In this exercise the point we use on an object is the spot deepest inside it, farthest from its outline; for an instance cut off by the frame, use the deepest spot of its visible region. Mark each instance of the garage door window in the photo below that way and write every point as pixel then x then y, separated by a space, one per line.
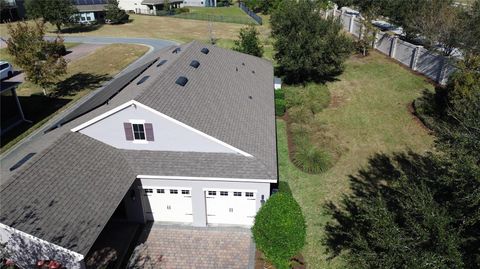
pixel 212 193
pixel 224 193
pixel 249 194
pixel 185 192
pixel 148 190
pixel 173 191
pixel 160 191
pixel 237 193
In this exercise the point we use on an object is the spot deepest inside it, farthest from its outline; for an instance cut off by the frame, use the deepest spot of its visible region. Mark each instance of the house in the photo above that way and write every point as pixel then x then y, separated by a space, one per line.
pixel 200 3
pixel 186 138
pixel 12 10
pixel 90 11
pixel 147 6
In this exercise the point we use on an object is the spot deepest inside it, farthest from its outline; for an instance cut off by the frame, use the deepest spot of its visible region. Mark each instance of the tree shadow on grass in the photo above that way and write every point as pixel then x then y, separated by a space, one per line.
pixel 74 29
pixel 79 82
pixel 303 77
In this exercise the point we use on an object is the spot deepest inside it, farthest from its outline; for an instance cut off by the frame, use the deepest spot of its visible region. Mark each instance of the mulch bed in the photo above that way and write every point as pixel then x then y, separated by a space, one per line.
pixel 419 122
pixel 261 263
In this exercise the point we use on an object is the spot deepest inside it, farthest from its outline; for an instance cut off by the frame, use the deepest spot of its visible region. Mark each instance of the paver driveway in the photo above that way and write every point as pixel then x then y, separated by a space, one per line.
pixel 189 247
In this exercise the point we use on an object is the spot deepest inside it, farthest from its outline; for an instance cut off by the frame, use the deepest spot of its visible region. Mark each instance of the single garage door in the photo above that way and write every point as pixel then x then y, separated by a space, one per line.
pixel 168 204
pixel 230 206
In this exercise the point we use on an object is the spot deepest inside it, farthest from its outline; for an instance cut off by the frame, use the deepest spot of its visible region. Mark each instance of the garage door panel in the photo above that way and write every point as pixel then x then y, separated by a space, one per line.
pixel 172 204
pixel 230 207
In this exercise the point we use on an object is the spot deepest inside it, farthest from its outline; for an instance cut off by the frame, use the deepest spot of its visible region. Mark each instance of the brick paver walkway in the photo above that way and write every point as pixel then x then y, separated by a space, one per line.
pixel 189 247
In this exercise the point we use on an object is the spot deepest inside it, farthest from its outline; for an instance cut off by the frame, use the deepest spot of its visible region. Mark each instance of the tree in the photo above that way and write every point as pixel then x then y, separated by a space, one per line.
pixel 279 230
pixel 471 31
pixel 114 13
pixel 409 211
pixel 56 12
pixel 40 59
pixel 308 47
pixel 248 42
pixel 439 23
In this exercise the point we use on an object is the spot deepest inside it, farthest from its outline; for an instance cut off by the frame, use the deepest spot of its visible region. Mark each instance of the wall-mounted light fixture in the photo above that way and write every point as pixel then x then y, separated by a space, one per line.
pixel 132 195
pixel 262 200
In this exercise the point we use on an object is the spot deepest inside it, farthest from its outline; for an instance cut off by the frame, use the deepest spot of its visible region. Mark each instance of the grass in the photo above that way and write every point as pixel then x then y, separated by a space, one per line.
pixel 368 114
pixel 84 75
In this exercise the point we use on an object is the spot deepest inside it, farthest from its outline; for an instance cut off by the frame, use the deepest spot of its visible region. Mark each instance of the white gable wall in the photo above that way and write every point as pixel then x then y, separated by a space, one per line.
pixel 168 134
pixel 131 5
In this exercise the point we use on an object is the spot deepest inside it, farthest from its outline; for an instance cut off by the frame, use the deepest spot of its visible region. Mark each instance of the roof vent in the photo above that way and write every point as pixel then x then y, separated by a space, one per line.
pixel 243 64
pixel 162 62
pixel 253 71
pixel 181 81
pixel 205 51
pixel 177 50
pixel 195 64
pixel 143 80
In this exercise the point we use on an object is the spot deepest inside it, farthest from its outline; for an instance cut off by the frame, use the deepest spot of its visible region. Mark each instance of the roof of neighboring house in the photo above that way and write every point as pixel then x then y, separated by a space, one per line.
pixel 67 194
pixel 90 8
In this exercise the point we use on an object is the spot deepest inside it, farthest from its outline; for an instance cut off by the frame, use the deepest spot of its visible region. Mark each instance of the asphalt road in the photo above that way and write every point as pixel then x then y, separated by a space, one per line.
pixel 32 142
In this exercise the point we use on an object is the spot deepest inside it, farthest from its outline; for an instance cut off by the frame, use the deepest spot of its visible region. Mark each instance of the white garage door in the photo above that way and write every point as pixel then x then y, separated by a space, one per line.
pixel 168 204
pixel 230 206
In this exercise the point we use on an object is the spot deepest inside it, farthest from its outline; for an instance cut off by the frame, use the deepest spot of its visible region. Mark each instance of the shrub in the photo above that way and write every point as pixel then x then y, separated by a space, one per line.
pixel 279 230
pixel 182 10
pixel 311 159
pixel 279 94
pixel 55 48
pixel 279 107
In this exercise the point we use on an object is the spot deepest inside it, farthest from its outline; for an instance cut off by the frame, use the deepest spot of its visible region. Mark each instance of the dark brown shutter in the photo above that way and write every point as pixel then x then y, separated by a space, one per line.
pixel 149 132
pixel 128 131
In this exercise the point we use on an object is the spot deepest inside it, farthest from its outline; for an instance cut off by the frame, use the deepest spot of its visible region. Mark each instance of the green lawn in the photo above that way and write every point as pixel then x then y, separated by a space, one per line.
pixel 234 11
pixel 83 76
pixel 368 114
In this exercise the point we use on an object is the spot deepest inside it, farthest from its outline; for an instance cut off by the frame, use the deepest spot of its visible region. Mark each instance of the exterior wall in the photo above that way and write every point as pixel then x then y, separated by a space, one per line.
pixel 26 250
pixel 429 64
pixel 133 203
pixel 383 43
pixel 86 17
pixel 169 136
pixel 198 195
pixel 195 3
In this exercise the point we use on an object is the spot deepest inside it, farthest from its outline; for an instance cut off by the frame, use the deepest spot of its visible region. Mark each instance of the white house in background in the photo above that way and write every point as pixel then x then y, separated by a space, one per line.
pixel 188 137
pixel 131 5
pixel 200 3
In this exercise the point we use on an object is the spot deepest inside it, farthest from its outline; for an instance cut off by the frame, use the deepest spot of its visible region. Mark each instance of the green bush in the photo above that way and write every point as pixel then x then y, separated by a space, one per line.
pixel 279 94
pixel 279 107
pixel 279 230
pixel 300 114
pixel 182 10
pixel 311 159
pixel 55 48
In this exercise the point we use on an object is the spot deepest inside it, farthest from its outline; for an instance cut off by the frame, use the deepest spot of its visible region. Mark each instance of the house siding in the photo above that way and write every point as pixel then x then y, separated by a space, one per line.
pixel 198 197
pixel 169 136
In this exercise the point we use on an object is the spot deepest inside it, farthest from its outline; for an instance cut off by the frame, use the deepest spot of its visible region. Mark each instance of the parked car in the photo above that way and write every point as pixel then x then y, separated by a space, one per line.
pixel 6 70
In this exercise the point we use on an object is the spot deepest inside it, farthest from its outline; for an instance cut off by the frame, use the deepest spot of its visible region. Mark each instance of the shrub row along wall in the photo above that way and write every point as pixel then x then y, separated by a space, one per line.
pixel 417 58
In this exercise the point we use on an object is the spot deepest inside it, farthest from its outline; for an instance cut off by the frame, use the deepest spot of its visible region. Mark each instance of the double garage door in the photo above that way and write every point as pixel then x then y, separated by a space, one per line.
pixel 174 204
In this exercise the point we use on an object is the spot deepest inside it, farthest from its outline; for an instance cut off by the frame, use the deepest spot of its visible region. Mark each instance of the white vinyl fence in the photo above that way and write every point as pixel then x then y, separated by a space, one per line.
pixel 417 58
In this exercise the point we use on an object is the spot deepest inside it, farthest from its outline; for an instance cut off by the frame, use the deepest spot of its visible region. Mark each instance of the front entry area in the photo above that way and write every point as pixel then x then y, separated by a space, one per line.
pixel 172 204
pixel 230 206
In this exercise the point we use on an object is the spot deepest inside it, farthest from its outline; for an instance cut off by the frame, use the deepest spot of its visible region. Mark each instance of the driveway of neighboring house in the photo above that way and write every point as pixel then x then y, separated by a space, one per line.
pixel 76 52
pixel 189 247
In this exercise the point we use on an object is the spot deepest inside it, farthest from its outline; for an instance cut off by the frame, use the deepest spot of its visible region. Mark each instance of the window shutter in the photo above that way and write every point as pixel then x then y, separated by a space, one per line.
pixel 149 132
pixel 128 131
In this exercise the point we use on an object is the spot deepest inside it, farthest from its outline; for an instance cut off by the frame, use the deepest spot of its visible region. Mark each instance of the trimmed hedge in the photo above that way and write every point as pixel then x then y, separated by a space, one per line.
pixel 279 230
pixel 280 107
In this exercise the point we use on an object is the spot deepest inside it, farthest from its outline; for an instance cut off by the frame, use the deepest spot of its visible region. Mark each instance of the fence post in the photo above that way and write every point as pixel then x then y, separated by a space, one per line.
pixel 415 56
pixel 350 26
pixel 374 43
pixel 393 47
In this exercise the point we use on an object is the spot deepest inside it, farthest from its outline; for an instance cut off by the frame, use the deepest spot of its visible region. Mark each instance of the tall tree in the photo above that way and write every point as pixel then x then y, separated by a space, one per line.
pixel 410 211
pixel 471 31
pixel 248 42
pixel 56 12
pixel 308 47
pixel 38 57
pixel 114 13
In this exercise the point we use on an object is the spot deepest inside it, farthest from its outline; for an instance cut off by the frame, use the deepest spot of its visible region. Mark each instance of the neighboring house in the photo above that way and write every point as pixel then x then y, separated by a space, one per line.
pixel 200 3
pixel 189 137
pixel 90 11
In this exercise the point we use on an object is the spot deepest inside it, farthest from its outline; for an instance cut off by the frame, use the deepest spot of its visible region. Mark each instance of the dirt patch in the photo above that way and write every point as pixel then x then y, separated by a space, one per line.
pixel 336 101
pixel 420 123
pixel 298 262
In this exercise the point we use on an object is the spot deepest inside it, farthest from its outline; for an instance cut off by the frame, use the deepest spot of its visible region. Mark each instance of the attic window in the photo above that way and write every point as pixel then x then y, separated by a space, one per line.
pixel 162 62
pixel 177 50
pixel 195 64
pixel 181 81
pixel 143 80
pixel 205 51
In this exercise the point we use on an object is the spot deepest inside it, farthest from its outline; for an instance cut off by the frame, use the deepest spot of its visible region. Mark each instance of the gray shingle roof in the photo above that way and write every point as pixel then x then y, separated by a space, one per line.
pixel 67 194
pixel 230 96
